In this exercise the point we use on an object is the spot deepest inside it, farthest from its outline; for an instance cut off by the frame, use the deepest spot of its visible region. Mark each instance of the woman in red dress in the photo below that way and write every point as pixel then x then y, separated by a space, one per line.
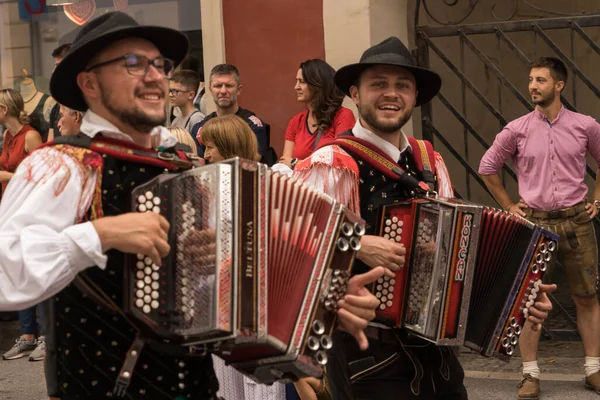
pixel 19 137
pixel 324 117
pixel 19 140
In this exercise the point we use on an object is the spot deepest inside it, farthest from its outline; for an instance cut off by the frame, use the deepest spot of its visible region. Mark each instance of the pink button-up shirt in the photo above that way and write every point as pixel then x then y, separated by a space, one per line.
pixel 549 158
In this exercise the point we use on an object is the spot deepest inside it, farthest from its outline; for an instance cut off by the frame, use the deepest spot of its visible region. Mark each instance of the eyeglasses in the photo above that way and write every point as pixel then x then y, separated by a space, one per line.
pixel 175 92
pixel 138 65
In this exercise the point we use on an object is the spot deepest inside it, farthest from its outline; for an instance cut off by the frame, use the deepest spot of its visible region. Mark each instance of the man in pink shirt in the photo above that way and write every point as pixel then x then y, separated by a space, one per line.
pixel 548 148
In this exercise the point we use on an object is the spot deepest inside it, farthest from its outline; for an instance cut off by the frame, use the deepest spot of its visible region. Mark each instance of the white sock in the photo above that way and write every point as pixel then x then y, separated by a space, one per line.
pixel 592 365
pixel 532 369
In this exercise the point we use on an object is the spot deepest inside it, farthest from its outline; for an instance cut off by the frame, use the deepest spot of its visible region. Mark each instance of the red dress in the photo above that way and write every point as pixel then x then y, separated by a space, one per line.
pixel 14 151
pixel 297 131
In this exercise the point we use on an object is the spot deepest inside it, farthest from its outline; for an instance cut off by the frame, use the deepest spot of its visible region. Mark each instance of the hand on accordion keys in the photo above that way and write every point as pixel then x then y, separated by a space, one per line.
pixel 540 309
pixel 358 306
pixel 143 233
pixel 376 251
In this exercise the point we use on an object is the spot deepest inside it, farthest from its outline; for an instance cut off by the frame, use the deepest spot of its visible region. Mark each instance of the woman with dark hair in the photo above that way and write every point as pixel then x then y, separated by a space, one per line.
pixel 324 116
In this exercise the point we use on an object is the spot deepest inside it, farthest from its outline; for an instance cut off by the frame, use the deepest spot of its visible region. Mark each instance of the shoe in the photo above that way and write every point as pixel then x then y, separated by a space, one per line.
pixel 592 382
pixel 40 351
pixel 529 388
pixel 22 348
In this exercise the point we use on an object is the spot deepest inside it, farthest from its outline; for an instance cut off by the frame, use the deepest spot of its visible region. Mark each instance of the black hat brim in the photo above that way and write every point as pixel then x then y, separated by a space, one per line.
pixel 172 44
pixel 428 82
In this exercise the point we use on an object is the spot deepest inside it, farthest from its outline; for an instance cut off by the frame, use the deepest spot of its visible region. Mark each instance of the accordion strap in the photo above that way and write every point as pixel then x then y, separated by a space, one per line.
pixel 178 157
pixel 131 358
pixel 380 161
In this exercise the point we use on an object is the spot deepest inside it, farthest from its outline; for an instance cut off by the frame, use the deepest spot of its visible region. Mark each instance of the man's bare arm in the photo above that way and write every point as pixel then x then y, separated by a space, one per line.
pixel 494 185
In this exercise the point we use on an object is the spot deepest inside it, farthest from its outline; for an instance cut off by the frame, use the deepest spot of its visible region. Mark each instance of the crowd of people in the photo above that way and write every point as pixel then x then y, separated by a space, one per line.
pixel 114 81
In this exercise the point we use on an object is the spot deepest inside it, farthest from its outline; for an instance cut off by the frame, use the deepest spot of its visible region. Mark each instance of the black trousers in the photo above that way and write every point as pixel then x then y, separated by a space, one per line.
pixel 411 368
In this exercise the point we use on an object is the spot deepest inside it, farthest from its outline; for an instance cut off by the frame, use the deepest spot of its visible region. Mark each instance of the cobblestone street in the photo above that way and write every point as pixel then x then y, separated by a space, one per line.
pixel 561 364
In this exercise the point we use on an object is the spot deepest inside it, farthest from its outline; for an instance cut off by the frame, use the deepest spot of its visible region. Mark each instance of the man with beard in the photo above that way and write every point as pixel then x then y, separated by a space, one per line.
pixel 225 87
pixel 548 149
pixel 386 85
pixel 66 216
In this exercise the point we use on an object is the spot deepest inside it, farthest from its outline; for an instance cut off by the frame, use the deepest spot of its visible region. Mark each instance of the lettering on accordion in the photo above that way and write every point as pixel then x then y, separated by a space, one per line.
pixel 465 236
pixel 249 249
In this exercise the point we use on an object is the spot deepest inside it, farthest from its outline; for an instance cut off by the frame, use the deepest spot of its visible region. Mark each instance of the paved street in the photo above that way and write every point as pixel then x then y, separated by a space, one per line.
pixel 487 378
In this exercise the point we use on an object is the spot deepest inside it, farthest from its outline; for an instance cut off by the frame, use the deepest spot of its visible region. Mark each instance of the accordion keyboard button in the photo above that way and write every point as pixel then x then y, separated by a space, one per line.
pixel 147 289
pixel 390 296
pixel 394 219
pixel 154 285
pixel 147 280
pixel 379 288
pixel 139 303
pixel 391 288
pixel 387 229
pixel 383 299
pixel 139 293
pixel 141 199
pixel 148 261
pixel 154 304
pixel 140 256
pixel 139 275
pixel 400 224
pixel 392 281
pixel 389 303
pixel 155 276
pixel 156 209
pixel 140 284
pixel 147 299
pixel 378 295
pixel 156 201
pixel 142 208
pixel 155 267
pixel 149 195
pixel 382 306
pixel 146 309
pixel 392 234
pixel 154 295
pixel 386 236
pixel 149 205
pixel 388 222
pixel 147 271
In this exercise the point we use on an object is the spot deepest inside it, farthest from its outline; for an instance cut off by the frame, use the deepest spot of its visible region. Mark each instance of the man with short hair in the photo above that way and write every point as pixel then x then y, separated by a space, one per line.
pixel 66 215
pixel 225 87
pixel 182 92
pixel 548 149
pixel 385 86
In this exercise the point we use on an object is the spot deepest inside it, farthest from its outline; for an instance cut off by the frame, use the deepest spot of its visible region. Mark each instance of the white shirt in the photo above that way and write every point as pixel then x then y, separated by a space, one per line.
pixel 363 133
pixel 42 245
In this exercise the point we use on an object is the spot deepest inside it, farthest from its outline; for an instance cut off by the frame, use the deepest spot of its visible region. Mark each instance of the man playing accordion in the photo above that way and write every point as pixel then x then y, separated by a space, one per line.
pixel 385 86
pixel 66 215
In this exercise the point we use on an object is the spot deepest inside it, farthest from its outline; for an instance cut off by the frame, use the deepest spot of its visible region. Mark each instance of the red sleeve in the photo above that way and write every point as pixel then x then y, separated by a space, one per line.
pixel 344 120
pixel 292 128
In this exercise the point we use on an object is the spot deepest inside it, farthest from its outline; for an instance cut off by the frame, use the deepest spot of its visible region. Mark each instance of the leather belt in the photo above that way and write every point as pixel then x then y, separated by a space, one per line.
pixel 555 214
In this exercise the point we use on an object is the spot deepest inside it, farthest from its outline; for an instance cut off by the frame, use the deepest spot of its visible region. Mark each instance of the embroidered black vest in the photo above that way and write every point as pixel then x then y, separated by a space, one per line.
pixel 375 191
pixel 91 342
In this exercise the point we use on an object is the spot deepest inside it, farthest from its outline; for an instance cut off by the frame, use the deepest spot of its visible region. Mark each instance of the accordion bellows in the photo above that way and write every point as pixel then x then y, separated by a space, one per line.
pixel 471 273
pixel 257 264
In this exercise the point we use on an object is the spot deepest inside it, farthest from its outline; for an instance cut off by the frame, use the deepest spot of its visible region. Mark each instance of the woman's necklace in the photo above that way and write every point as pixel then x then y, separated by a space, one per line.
pixel 32 97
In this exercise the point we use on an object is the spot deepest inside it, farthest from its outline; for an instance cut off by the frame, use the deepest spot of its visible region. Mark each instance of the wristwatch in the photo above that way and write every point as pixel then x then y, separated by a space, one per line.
pixel 596 204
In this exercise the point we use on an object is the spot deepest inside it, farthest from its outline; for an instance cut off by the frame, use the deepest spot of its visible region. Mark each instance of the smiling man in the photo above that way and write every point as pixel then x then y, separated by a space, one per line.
pixel 386 85
pixel 225 87
pixel 548 149
pixel 66 215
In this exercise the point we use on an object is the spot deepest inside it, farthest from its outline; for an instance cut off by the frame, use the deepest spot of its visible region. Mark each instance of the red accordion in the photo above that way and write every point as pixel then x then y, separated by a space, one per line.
pixel 470 276
pixel 258 262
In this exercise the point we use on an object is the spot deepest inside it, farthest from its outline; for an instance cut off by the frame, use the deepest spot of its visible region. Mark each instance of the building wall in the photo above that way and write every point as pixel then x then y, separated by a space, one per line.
pixel 267 40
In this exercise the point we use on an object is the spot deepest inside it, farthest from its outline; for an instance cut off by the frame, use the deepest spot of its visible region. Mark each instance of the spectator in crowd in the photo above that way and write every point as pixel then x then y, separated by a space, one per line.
pixel 19 140
pixel 227 137
pixel 548 150
pixel 59 53
pixel 70 121
pixel 225 87
pixel 324 117
pixel 184 137
pixel 183 87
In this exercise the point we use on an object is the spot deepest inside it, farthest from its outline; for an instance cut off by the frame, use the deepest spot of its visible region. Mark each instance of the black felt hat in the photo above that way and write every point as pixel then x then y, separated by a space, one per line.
pixel 390 52
pixel 98 34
